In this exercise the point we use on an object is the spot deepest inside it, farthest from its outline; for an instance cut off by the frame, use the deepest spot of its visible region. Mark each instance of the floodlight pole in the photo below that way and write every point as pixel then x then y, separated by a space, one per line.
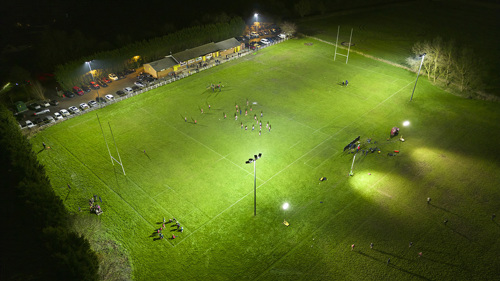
pixel 421 62
pixel 93 79
pixel 254 160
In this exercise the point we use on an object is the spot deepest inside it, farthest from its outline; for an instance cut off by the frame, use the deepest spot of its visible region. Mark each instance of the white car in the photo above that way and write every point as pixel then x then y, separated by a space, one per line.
pixel 73 109
pixel 45 103
pixel 109 97
pixel 113 76
pixel 282 36
pixel 48 119
pixel 265 41
pixel 84 106
pixel 58 116
pixel 27 124
pixel 128 90
pixel 92 103
pixel 64 112
pixel 41 111
pixel 139 84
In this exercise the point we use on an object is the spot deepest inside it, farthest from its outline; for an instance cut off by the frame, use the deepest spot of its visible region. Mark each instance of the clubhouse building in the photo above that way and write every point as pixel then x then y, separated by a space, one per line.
pixel 192 58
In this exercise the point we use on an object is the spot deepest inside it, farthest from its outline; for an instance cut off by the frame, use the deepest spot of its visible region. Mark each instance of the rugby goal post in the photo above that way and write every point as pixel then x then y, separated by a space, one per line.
pixel 348 47
pixel 113 159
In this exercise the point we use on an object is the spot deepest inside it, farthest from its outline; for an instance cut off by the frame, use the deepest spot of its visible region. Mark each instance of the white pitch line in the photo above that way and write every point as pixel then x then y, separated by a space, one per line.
pixel 360 117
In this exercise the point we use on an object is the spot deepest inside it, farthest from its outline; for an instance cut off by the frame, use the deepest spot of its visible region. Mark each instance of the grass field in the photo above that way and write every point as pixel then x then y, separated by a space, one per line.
pixel 389 32
pixel 197 173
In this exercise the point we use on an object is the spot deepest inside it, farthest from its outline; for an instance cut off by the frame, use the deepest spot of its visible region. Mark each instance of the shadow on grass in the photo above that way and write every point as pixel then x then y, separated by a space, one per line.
pixel 392 255
pixel 463 235
pixel 40 151
pixel 408 272
pixel 443 209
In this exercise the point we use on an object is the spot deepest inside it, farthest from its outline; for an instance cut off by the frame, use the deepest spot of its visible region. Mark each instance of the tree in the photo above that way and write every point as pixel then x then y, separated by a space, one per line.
pixel 467 72
pixel 303 8
pixel 289 28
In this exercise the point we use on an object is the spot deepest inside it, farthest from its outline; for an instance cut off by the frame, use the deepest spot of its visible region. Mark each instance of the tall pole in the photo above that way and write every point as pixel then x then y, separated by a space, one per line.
pixel 254 189
pixel 418 74
pixel 349 48
pixel 336 42
pixel 93 79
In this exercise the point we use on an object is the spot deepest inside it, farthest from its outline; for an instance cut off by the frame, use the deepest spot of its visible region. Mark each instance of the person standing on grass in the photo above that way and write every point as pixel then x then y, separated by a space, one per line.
pixel 261 114
pixel 44 146
pixel 246 128
pixel 253 127
pixel 428 200
pixel 352 247
pixel 388 261
pixel 269 128
pixel 411 244
pixel 185 119
pixel 346 83
pixel 493 217
pixel 209 107
pixel 224 115
pixel 371 245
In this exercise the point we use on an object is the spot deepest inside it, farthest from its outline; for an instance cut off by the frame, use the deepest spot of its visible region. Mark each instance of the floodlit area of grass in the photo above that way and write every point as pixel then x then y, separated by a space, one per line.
pixel 197 173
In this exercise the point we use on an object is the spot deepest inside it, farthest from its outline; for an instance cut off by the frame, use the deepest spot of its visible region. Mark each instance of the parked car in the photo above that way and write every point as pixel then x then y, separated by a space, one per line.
pixel 109 97
pixel 38 120
pixel 58 116
pixel 64 112
pixel 282 36
pixel 92 103
pixel 139 84
pixel 45 103
pixel 85 88
pixel 254 34
pixel 100 99
pixel 34 106
pixel 113 76
pixel 73 109
pixel 84 106
pixel 48 119
pixel 135 88
pixel 106 80
pixel 94 85
pixel 128 90
pixel 121 75
pixel 41 111
pixel 26 124
pixel 130 71
pixel 265 41
pixel 102 84
pixel 69 94
pixel 78 91
pixel 54 102
pixel 120 93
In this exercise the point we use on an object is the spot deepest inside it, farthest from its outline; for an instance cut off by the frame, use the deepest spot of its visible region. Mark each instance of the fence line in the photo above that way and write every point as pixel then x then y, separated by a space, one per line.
pixel 29 132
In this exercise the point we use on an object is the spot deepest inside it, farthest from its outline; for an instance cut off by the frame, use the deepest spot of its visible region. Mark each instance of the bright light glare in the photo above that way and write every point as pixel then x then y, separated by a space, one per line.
pixel 285 206
pixel 406 123
pixel 256 15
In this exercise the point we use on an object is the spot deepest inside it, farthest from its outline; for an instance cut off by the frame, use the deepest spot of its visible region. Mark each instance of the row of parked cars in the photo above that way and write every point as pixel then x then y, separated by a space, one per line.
pixel 97 84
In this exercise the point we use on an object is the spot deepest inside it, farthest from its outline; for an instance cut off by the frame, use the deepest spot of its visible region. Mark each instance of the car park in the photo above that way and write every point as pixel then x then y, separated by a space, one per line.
pixel 73 109
pixel 109 97
pixel 78 91
pixel 64 112
pixel 94 85
pixel 92 103
pixel 69 94
pixel 120 93
pixel 128 90
pixel 44 103
pixel 113 76
pixel 54 102
pixel 58 116
pixel 41 111
pixel 139 84
pixel 48 119
pixel 84 106
pixel 34 106
pixel 265 41
pixel 85 88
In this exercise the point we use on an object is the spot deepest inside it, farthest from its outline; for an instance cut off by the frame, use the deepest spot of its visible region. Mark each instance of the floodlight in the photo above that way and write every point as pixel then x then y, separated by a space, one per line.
pixel 285 206
pixel 406 123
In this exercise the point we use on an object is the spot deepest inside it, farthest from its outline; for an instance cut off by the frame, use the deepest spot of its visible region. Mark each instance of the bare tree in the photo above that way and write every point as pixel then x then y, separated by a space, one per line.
pixel 467 71
pixel 289 28
pixel 303 8
pixel 37 90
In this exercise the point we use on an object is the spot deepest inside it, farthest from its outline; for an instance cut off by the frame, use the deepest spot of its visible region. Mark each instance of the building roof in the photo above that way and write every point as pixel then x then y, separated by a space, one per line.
pixel 196 52
pixel 164 63
pixel 228 44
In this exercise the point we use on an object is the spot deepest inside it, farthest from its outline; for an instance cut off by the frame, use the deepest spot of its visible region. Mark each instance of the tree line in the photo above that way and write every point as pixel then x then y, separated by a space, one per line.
pixel 448 62
pixel 77 73
pixel 37 241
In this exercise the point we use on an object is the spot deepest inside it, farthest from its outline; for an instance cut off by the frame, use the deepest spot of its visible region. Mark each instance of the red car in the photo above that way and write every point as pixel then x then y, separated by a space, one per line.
pixel 78 91
pixel 94 85
pixel 106 80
